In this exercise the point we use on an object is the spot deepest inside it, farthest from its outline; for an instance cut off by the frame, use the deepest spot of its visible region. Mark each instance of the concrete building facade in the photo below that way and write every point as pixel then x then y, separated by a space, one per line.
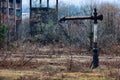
pixel 11 16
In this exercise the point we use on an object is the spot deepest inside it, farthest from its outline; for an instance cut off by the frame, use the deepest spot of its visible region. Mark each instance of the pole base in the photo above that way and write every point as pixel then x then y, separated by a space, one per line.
pixel 95 62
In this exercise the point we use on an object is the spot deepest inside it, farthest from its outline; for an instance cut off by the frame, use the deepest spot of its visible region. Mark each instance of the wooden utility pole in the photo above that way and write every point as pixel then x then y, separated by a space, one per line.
pixel 95 18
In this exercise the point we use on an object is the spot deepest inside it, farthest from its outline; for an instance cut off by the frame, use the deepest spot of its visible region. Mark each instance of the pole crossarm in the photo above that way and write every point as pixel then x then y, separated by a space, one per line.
pixel 99 17
pixel 75 18
pixel 95 17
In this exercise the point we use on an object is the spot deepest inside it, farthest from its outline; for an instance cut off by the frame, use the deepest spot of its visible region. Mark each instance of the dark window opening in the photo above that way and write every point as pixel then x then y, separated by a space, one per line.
pixel 11 11
pixel 4 4
pixel 4 0
pixel 18 1
pixel 11 1
pixel 4 11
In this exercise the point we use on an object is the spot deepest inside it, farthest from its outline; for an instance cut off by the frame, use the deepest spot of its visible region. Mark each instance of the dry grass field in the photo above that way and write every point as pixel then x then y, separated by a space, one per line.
pixel 58 69
pixel 54 63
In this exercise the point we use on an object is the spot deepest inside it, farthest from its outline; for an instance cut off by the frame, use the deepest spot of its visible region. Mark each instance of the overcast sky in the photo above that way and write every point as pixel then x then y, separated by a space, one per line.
pixel 76 2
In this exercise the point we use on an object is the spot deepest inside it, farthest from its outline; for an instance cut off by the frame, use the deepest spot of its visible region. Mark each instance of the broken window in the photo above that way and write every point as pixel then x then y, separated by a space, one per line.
pixel 44 3
pixel 11 4
pixel 11 11
pixel 4 11
pixel 18 4
pixel 4 4
pixel 18 13
pixel 52 3
pixel 35 3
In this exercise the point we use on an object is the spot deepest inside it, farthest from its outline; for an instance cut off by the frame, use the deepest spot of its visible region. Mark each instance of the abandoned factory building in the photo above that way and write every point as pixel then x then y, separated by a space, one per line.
pixel 42 12
pixel 11 16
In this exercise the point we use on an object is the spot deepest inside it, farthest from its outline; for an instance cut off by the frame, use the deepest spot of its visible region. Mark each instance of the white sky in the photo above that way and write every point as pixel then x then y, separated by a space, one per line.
pixel 77 2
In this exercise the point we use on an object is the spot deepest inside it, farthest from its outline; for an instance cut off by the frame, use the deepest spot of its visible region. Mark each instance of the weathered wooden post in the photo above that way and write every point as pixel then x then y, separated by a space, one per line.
pixel 95 17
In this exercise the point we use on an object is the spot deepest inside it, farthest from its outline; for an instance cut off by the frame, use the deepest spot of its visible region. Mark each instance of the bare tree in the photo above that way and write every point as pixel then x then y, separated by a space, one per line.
pixel 108 29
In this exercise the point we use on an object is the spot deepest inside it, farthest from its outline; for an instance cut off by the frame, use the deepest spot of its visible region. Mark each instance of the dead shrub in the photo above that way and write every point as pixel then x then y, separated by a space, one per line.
pixel 115 75
pixel 78 66
pixel 3 78
pixel 30 77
